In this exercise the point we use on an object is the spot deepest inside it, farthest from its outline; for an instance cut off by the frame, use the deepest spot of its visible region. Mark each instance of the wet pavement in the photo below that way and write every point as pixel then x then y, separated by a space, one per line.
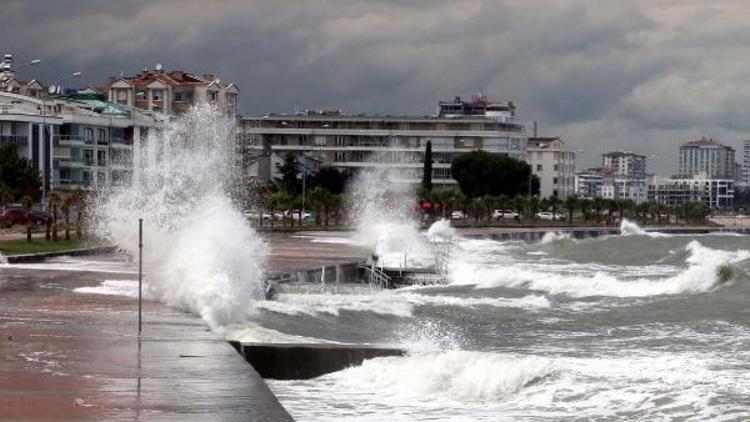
pixel 66 356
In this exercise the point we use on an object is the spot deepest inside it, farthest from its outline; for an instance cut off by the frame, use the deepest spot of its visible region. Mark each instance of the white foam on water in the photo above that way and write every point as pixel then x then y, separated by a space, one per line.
pixel 701 275
pixel 200 253
pixel 441 230
pixel 3 259
pixel 257 334
pixel 629 228
pixel 127 288
pixel 553 237
pixel 463 385
pixel 399 304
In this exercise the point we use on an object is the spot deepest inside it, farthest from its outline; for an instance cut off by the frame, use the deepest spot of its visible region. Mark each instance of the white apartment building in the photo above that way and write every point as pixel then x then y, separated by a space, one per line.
pixel 746 163
pixel 620 187
pixel 75 141
pixel 351 142
pixel 588 183
pixel 706 157
pixel 716 193
pixel 553 164
pixel 624 164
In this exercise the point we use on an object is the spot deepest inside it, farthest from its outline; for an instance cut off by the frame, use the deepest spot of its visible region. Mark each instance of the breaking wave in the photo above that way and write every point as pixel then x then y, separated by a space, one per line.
pixel 702 274
pixel 629 228
pixel 554 237
pixel 451 375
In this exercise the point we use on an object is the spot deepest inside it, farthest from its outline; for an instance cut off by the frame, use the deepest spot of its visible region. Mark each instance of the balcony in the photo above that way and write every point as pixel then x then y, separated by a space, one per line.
pixel 70 141
pixel 17 140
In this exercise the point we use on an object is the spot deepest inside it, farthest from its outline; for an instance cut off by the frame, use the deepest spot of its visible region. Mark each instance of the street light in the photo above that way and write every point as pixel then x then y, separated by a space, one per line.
pixel 55 88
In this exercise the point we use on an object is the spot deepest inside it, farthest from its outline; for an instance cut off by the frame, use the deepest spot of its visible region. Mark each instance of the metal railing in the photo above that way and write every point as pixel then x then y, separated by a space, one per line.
pixel 442 251
pixel 376 277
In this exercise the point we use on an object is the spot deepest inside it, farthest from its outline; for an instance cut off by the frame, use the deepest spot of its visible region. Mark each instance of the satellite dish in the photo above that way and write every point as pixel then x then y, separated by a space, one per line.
pixel 52 89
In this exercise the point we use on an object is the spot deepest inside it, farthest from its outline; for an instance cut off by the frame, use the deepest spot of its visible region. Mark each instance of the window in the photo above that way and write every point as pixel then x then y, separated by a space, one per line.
pixel 122 96
pixel 557 167
pixel 156 94
pixel 178 96
pixel 538 167
pixel 101 136
pixel 88 157
pixel 101 158
pixel 88 135
pixel 212 95
pixel 554 180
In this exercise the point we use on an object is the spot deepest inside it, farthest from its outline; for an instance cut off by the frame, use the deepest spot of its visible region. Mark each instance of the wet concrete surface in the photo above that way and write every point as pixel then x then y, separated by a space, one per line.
pixel 311 250
pixel 66 356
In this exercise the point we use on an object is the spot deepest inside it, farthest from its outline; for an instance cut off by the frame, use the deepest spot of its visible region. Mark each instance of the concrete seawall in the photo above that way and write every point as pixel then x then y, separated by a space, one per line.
pixel 305 361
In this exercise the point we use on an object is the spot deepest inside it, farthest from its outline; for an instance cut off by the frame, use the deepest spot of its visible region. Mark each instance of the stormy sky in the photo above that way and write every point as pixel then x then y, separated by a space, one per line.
pixel 637 75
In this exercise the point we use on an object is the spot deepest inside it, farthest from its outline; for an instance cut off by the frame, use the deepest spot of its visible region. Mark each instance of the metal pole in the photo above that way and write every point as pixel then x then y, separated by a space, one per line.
pixel 140 274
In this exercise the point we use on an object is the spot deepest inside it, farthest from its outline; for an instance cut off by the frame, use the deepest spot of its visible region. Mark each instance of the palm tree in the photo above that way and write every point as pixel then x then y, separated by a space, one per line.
pixel 598 203
pixel 53 201
pixel 570 204
pixel 554 202
pixel 28 203
pixel 520 203
pixel 533 206
pixel 67 203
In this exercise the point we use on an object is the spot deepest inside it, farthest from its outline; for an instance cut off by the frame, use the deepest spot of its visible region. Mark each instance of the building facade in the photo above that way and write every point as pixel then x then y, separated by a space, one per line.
pixel 172 92
pixel 75 141
pixel 553 164
pixel 352 142
pixel 718 194
pixel 624 164
pixel 746 163
pixel 706 157
pixel 588 183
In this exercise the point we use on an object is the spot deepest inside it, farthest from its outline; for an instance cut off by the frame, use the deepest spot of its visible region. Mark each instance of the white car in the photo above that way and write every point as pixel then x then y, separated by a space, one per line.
pixel 505 214
pixel 548 216
pixel 458 215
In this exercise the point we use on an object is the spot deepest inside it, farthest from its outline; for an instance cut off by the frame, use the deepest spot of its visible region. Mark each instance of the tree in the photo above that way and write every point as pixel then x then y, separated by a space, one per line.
pixel 28 203
pixel 6 196
pixel 65 207
pixel 427 170
pixel 480 173
pixel 329 178
pixel 554 202
pixel 570 204
pixel 54 200
pixel 17 174
pixel 78 201
pixel 289 181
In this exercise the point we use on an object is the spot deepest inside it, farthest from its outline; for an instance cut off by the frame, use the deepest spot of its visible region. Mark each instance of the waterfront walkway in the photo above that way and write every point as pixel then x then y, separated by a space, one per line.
pixel 66 356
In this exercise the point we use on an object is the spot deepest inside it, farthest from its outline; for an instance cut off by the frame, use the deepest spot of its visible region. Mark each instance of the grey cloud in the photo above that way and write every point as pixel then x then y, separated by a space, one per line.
pixel 605 74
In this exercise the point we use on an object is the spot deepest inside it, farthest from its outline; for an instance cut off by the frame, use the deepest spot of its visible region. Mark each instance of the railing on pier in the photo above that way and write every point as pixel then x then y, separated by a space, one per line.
pixel 376 277
pixel 442 250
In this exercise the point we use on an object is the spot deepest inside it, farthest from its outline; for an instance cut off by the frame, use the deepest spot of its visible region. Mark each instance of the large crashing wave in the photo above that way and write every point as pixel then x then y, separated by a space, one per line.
pixel 701 275
pixel 200 254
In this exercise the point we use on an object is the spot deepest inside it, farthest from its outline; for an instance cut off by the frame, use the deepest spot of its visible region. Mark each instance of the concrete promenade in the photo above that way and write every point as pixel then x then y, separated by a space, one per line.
pixel 66 356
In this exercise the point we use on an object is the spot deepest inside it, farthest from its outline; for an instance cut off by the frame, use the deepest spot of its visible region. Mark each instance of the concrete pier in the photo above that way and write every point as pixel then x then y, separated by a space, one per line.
pixel 73 357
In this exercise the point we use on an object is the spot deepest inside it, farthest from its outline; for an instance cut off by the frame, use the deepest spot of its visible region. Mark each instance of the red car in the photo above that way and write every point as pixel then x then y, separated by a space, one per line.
pixel 13 216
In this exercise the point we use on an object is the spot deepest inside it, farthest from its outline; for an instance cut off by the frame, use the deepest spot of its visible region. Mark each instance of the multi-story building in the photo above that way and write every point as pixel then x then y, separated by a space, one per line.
pixel 553 164
pixel 76 141
pixel 716 193
pixel 172 92
pixel 624 164
pixel 706 157
pixel 620 187
pixel 746 163
pixel 588 183
pixel 352 142
pixel 503 111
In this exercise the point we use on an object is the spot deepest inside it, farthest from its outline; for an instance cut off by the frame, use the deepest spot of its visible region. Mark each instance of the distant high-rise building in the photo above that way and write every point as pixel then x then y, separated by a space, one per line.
pixel 624 164
pixel 706 157
pixel 746 163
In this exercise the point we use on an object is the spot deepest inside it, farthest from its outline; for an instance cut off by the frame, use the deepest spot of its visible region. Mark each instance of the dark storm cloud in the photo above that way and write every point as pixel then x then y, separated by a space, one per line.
pixel 641 75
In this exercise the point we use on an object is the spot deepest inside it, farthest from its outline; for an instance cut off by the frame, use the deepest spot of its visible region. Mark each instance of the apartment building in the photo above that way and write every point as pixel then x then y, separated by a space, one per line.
pixel 553 164
pixel 75 140
pixel 745 179
pixel 356 141
pixel 716 193
pixel 707 157
pixel 588 183
pixel 172 92
pixel 624 164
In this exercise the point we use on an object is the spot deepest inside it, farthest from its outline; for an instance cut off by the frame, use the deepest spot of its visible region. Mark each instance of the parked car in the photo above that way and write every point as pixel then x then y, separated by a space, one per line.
pixel 13 216
pixel 458 215
pixel 505 214
pixel 548 216
pixel 294 214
